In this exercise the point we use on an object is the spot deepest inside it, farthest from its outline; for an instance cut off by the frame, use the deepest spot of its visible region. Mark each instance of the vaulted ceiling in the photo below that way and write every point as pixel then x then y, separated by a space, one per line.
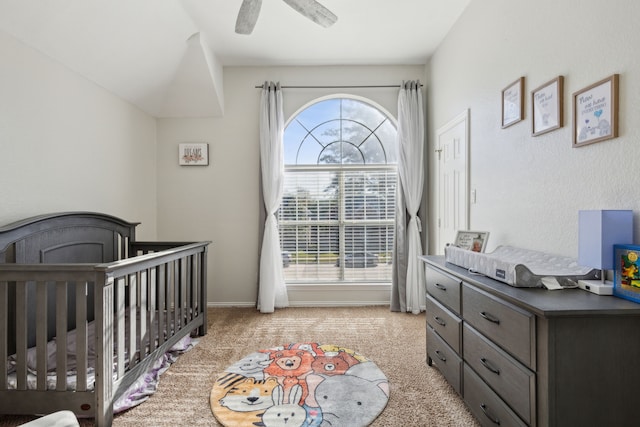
pixel 168 56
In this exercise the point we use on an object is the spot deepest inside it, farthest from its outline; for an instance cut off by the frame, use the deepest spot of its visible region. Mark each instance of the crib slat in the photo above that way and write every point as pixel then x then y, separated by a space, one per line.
pixel 194 285
pixel 21 335
pixel 162 289
pixel 120 324
pixel 151 290
pixel 142 323
pixel 191 286
pixel 42 355
pixel 81 336
pixel 176 298
pixel 168 301
pixel 4 333
pixel 61 336
pixel 132 319
pixel 183 292
pixel 124 244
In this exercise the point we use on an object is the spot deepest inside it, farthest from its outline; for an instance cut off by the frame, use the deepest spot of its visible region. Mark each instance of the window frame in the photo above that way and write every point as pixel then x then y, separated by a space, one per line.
pixel 342 222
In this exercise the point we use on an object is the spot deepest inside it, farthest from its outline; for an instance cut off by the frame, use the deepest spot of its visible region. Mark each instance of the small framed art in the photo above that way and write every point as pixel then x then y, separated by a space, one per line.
pixel 475 241
pixel 193 154
pixel 513 103
pixel 595 112
pixel 626 276
pixel 546 106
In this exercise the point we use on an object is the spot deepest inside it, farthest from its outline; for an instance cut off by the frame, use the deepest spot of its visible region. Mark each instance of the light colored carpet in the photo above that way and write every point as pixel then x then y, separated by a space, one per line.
pixel 419 395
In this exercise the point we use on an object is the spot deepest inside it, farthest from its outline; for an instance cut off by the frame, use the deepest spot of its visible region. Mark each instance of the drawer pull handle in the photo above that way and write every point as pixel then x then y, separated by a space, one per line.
pixel 441 287
pixel 439 321
pixel 493 419
pixel 490 317
pixel 488 365
pixel 441 356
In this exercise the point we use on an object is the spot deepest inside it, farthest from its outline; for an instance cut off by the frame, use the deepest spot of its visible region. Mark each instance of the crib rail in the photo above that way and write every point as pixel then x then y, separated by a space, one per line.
pixel 142 305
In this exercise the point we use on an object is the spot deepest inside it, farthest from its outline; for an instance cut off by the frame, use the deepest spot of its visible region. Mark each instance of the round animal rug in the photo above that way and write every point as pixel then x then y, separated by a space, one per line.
pixel 300 385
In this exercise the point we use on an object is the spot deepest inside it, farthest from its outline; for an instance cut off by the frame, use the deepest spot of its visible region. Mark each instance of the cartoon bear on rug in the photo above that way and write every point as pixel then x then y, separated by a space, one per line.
pixel 300 385
pixel 290 367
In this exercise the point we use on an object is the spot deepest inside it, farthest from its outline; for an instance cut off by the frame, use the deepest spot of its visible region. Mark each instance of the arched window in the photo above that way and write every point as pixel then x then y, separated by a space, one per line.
pixel 337 214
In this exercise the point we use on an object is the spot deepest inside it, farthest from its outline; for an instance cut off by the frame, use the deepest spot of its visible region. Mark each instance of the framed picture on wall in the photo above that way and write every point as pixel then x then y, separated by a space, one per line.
pixel 595 112
pixel 547 106
pixel 475 241
pixel 193 154
pixel 513 103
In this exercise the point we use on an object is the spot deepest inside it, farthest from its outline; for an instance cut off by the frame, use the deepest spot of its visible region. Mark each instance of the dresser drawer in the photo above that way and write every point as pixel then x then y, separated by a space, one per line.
pixel 445 359
pixel 444 288
pixel 445 323
pixel 485 405
pixel 510 327
pixel 509 378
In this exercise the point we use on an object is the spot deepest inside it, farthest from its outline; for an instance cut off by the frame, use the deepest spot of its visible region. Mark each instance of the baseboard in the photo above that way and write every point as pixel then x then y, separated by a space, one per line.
pixel 214 304
pixel 310 304
pixel 337 303
pixel 328 295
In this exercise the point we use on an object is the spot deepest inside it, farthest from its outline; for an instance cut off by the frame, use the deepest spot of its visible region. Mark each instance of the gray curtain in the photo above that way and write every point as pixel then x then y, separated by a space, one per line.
pixel 408 287
pixel 272 292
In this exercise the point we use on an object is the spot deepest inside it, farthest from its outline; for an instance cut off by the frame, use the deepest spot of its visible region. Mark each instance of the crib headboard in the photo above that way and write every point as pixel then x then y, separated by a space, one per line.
pixel 67 237
pixel 62 238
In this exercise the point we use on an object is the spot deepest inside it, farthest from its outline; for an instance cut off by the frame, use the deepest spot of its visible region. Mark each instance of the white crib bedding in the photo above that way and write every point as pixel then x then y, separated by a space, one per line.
pixel 143 387
pixel 521 267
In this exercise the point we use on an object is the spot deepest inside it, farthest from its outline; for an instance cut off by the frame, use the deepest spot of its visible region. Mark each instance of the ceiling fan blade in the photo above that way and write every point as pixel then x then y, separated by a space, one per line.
pixel 248 16
pixel 314 11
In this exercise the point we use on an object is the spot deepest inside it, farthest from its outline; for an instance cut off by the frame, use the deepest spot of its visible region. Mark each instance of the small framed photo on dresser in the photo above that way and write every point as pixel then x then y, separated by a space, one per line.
pixel 475 241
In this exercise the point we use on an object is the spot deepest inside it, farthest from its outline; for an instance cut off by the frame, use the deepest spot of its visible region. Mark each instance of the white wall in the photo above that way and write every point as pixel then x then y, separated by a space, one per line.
pixel 67 144
pixel 221 202
pixel 529 189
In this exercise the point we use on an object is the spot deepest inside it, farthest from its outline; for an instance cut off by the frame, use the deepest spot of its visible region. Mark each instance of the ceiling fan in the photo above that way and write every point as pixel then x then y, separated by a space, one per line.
pixel 250 9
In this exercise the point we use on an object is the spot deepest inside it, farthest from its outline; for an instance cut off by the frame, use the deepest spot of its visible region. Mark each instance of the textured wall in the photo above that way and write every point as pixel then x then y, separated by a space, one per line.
pixel 67 144
pixel 529 189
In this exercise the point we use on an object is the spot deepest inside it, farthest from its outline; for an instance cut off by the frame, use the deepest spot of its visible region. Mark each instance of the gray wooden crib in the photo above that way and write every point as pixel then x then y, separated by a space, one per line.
pixel 85 274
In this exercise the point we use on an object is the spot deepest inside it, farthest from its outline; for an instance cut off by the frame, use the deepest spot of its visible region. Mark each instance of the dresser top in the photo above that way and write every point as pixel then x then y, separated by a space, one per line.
pixel 542 302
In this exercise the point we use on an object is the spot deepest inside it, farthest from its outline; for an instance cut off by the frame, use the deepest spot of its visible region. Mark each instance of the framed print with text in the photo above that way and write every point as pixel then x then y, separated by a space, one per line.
pixel 193 154
pixel 595 112
pixel 513 103
pixel 547 106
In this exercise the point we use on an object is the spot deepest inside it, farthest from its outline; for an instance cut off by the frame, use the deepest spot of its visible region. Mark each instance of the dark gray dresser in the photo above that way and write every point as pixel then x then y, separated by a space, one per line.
pixel 533 357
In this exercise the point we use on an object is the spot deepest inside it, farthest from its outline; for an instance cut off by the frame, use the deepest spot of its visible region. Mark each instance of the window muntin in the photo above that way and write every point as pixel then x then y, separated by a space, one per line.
pixel 337 214
pixel 342 131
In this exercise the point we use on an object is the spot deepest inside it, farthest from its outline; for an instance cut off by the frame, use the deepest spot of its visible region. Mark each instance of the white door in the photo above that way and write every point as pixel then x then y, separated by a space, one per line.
pixel 452 174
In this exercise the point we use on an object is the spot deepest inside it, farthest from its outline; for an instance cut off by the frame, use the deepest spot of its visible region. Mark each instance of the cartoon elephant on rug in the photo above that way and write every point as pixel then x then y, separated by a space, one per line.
pixel 347 400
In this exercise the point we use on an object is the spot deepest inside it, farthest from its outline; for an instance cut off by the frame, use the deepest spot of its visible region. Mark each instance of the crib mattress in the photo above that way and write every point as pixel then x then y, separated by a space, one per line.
pixel 521 267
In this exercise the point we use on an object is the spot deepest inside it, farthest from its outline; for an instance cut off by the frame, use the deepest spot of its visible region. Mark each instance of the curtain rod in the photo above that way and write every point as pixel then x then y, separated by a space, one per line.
pixel 338 87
